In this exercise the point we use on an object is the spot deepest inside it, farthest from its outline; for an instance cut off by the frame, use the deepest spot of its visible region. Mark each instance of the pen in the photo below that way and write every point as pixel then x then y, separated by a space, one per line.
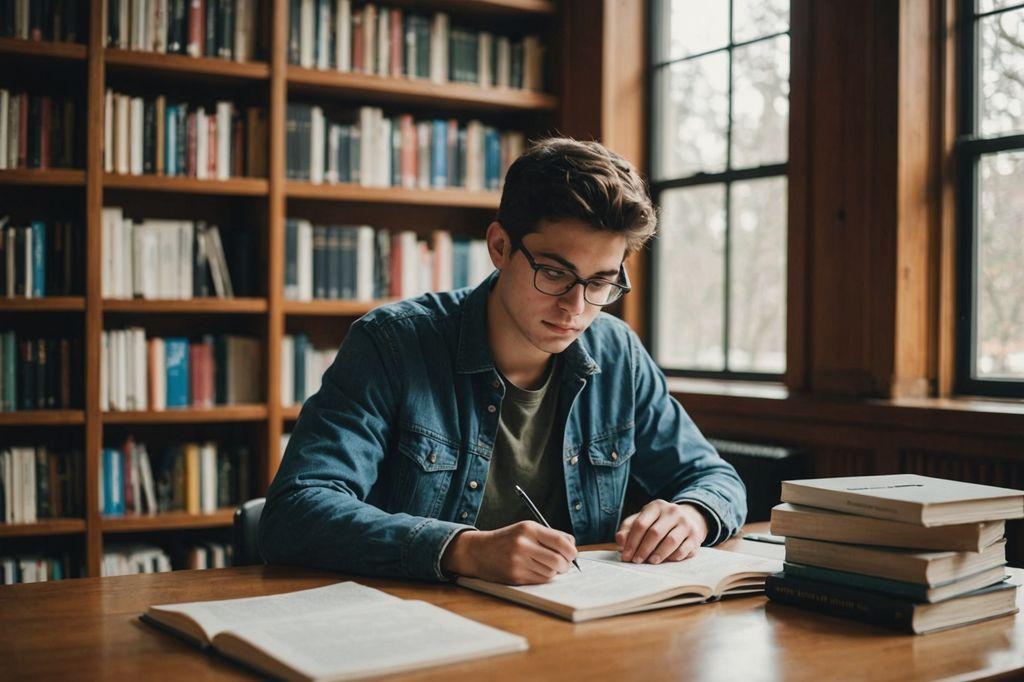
pixel 540 517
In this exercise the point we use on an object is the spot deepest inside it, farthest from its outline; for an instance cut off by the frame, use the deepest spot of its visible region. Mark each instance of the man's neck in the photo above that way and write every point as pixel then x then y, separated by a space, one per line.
pixel 517 359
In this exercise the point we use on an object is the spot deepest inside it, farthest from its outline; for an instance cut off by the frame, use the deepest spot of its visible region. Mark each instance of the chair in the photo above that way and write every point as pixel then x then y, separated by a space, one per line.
pixel 245 527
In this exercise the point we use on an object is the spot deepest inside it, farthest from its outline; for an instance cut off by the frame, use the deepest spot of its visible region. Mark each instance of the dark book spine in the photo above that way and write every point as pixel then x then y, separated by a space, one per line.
pixel 294 31
pixel 835 600
pixel 43 506
pixel 27 373
pixel 210 37
pixel 35 120
pixel 319 262
pixel 334 262
pixel 41 374
pixel 149 136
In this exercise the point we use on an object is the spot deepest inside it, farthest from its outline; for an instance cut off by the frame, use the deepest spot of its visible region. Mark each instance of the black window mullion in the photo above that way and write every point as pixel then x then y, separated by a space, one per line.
pixel 727 255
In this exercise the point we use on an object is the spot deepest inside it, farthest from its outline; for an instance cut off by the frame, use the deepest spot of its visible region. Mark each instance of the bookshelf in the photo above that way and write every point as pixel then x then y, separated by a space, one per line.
pixel 267 201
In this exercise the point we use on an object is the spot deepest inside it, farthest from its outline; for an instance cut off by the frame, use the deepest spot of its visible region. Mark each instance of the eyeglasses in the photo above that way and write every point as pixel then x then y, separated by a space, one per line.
pixel 555 281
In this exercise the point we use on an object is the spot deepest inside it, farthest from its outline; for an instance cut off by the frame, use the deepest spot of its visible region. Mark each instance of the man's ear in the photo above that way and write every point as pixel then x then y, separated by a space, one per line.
pixel 499 245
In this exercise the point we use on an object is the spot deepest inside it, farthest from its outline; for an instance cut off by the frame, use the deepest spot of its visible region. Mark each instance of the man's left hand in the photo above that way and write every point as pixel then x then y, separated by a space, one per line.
pixel 662 531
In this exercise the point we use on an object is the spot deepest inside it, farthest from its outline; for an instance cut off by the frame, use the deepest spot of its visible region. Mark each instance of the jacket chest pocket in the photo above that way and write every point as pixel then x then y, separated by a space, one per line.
pixel 425 469
pixel 609 457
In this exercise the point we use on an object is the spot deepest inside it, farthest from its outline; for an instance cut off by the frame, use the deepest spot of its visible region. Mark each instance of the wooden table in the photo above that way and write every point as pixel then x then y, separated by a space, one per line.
pixel 89 629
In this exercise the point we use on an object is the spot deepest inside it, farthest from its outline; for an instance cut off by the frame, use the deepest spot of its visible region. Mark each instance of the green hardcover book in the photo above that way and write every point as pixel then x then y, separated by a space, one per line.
pixel 896 588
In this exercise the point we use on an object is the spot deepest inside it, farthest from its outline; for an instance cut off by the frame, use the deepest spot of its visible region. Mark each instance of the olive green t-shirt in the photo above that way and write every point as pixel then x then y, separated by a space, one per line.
pixel 527 453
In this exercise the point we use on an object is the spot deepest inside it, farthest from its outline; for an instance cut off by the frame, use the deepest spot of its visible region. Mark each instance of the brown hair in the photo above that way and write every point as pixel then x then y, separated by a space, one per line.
pixel 560 178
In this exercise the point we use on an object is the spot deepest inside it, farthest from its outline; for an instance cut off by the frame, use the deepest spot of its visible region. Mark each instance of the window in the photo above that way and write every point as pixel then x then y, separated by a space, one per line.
pixel 990 153
pixel 719 79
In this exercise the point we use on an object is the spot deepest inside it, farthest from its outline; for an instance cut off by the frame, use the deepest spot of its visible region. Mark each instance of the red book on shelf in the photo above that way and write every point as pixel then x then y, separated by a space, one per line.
pixel 196 27
pixel 190 165
pixel 152 358
pixel 45 128
pixel 128 454
pixel 397 42
pixel 23 131
pixel 211 146
pixel 357 40
pixel 409 157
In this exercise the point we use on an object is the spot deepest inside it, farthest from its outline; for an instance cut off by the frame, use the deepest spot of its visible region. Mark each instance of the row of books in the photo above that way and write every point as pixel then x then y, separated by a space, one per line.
pixel 40 259
pixel 139 373
pixel 174 259
pixel 200 28
pixel 912 552
pixel 361 263
pixel 34 568
pixel 36 131
pixel 302 367
pixel 209 555
pixel 197 478
pixel 396 151
pixel 394 43
pixel 149 135
pixel 39 483
pixel 136 558
pixel 53 20
pixel 39 373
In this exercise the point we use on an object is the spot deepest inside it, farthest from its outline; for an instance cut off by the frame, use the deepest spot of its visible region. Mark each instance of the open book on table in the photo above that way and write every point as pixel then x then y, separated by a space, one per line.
pixel 338 632
pixel 606 586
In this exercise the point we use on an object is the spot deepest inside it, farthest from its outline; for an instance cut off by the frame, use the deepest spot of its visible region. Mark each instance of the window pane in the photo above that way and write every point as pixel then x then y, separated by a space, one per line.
pixel 760 103
pixel 757 287
pixel 989 5
pixel 999 284
pixel 690 266
pixel 755 18
pixel 692 100
pixel 1001 77
pixel 685 27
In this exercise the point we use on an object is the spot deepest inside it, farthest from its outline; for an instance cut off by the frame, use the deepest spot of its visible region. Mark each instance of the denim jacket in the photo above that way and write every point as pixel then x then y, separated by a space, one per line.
pixel 388 460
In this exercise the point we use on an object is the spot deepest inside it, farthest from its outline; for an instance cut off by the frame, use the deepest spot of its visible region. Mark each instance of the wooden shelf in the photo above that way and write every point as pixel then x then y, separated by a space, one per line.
pixel 207 68
pixel 417 91
pixel 44 527
pixel 42 418
pixel 43 49
pixel 253 187
pixel 43 177
pixel 452 198
pixel 290 412
pixel 501 6
pixel 212 415
pixel 212 306
pixel 166 521
pixel 43 304
pixel 337 308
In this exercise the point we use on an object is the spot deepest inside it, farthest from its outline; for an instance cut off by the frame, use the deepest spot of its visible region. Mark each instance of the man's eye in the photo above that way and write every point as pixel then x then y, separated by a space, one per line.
pixel 553 275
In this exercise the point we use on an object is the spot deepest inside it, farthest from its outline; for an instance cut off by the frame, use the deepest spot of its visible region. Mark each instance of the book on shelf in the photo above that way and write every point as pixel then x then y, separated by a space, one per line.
pixel 908 498
pixel 39 373
pixel 294 635
pixel 159 373
pixel 39 483
pixel 156 136
pixel 133 558
pixel 209 555
pixel 40 259
pixel 373 150
pixel 901 613
pixel 791 520
pixel 200 28
pixel 606 586
pixel 37 131
pixel 906 565
pixel 302 367
pixel 196 478
pixel 53 20
pixel 33 568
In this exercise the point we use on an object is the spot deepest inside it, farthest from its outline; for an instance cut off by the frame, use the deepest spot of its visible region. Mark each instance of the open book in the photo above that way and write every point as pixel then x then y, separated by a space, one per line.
pixel 338 632
pixel 608 587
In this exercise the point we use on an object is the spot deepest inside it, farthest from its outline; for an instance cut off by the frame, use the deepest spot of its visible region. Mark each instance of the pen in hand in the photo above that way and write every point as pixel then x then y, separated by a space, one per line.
pixel 540 517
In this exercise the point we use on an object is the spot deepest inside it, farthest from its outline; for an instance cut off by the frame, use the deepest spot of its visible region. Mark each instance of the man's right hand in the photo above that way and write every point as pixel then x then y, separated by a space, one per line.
pixel 524 553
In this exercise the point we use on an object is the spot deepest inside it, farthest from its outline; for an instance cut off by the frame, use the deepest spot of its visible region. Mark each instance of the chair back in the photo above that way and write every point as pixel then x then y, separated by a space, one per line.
pixel 245 527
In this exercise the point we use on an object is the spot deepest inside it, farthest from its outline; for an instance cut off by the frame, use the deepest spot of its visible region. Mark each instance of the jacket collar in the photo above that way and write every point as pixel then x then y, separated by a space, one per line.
pixel 474 353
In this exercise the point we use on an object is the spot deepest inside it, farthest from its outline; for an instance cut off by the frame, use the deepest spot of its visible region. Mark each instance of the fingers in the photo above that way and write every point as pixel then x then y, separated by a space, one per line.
pixel 665 528
pixel 638 529
pixel 557 541
pixel 670 543
pixel 623 532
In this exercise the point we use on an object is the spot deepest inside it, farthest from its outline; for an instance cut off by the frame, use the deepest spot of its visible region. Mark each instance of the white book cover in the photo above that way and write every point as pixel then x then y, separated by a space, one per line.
pixel 150 263
pixel 503 69
pixel 439 48
pixel 138 279
pixel 208 478
pixel 30 471
pixel 16 490
pixel 483 64
pixel 121 144
pixel 367 120
pixel 242 30
pixel 216 250
pixel 323 34
pixel 333 152
pixel 124 34
pixel 109 218
pixel 316 157
pixel 129 369
pixel 442 260
pixel 225 111
pixel 384 42
pixel 13 121
pixel 141 374
pixel 136 29
pixel 343 35
pixel 383 152
pixel 108 131
pixel 168 250
pixel 186 248
pixel 287 369
pixel 480 265
pixel 369 39
pixel 365 261
pixel 305 253
pixel 159 36
pixel 202 144
pixel 307 29
pixel 411 42
pixel 137 135
pixel 475 155
pixel 5 106
pixel 410 276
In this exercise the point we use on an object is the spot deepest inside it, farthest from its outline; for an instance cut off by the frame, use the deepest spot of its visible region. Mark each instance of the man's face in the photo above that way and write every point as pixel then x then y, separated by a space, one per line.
pixel 552 323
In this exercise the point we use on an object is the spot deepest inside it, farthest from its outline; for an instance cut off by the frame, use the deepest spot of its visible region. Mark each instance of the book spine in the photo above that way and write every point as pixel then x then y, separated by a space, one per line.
pixel 844 602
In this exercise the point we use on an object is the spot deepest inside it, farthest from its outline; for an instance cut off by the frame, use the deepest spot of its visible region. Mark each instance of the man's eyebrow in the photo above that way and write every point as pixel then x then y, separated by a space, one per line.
pixel 572 266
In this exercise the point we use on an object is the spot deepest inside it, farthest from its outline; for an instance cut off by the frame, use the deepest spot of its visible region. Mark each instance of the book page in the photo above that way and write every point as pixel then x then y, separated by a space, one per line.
pixel 375 639
pixel 709 567
pixel 216 616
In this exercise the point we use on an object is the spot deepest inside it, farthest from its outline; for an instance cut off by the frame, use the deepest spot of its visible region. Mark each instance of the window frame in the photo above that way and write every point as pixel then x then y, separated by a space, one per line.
pixel 968 151
pixel 726 177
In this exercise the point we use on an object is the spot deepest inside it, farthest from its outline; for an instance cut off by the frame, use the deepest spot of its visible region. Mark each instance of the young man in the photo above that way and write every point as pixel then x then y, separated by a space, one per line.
pixel 405 462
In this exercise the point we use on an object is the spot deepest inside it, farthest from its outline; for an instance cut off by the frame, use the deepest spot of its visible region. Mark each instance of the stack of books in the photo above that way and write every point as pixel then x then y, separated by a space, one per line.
pixel 912 552
pixel 39 483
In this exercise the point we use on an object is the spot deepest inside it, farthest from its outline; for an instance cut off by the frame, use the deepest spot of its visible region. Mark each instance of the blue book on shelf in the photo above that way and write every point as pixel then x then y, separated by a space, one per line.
pixel 176 362
pixel 113 482
pixel 460 263
pixel 170 140
pixel 10 360
pixel 492 155
pixel 38 258
pixel 439 154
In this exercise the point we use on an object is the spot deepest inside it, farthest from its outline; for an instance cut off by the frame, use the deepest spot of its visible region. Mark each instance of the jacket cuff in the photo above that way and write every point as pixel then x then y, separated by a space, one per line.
pixel 426 544
pixel 716 529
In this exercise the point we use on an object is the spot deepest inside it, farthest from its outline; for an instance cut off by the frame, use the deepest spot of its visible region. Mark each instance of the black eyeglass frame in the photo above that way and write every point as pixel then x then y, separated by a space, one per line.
pixel 624 288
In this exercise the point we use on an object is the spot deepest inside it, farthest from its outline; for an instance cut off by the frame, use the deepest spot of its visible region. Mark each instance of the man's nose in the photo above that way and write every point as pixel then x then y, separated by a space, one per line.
pixel 573 301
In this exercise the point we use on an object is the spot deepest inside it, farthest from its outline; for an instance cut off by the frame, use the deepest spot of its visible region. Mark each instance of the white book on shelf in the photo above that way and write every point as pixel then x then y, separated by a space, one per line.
pixel 426 269
pixel 307 29
pixel 148 262
pixel 503 67
pixel 30 474
pixel 215 248
pixel 135 28
pixel 213 264
pixel 225 112
pixel 411 50
pixel 141 375
pixel 367 121
pixel 202 144
pixel 27 263
pixel 17 488
pixel 483 64
pixel 186 248
pixel 119 357
pixel 146 476
pixel 208 478
pixel 410 276
pixel 480 265
pixel 316 157
pixel 369 39
pixel 382 149
pixel 442 261
pixel 475 155
pixel 323 34
pixel 124 26
pixel 159 34
pixel 305 256
pixel 5 478
pixel 168 253
pixel 121 144
pixel 132 459
pixel 343 35
pixel 129 369
pixel 365 260
pixel 21 19
pixel 439 48
pixel 383 42
pixel 137 113
pixel 243 30
pixel 108 131
pixel 333 149
pixel 287 369
pixel 5 106
pixel 13 123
